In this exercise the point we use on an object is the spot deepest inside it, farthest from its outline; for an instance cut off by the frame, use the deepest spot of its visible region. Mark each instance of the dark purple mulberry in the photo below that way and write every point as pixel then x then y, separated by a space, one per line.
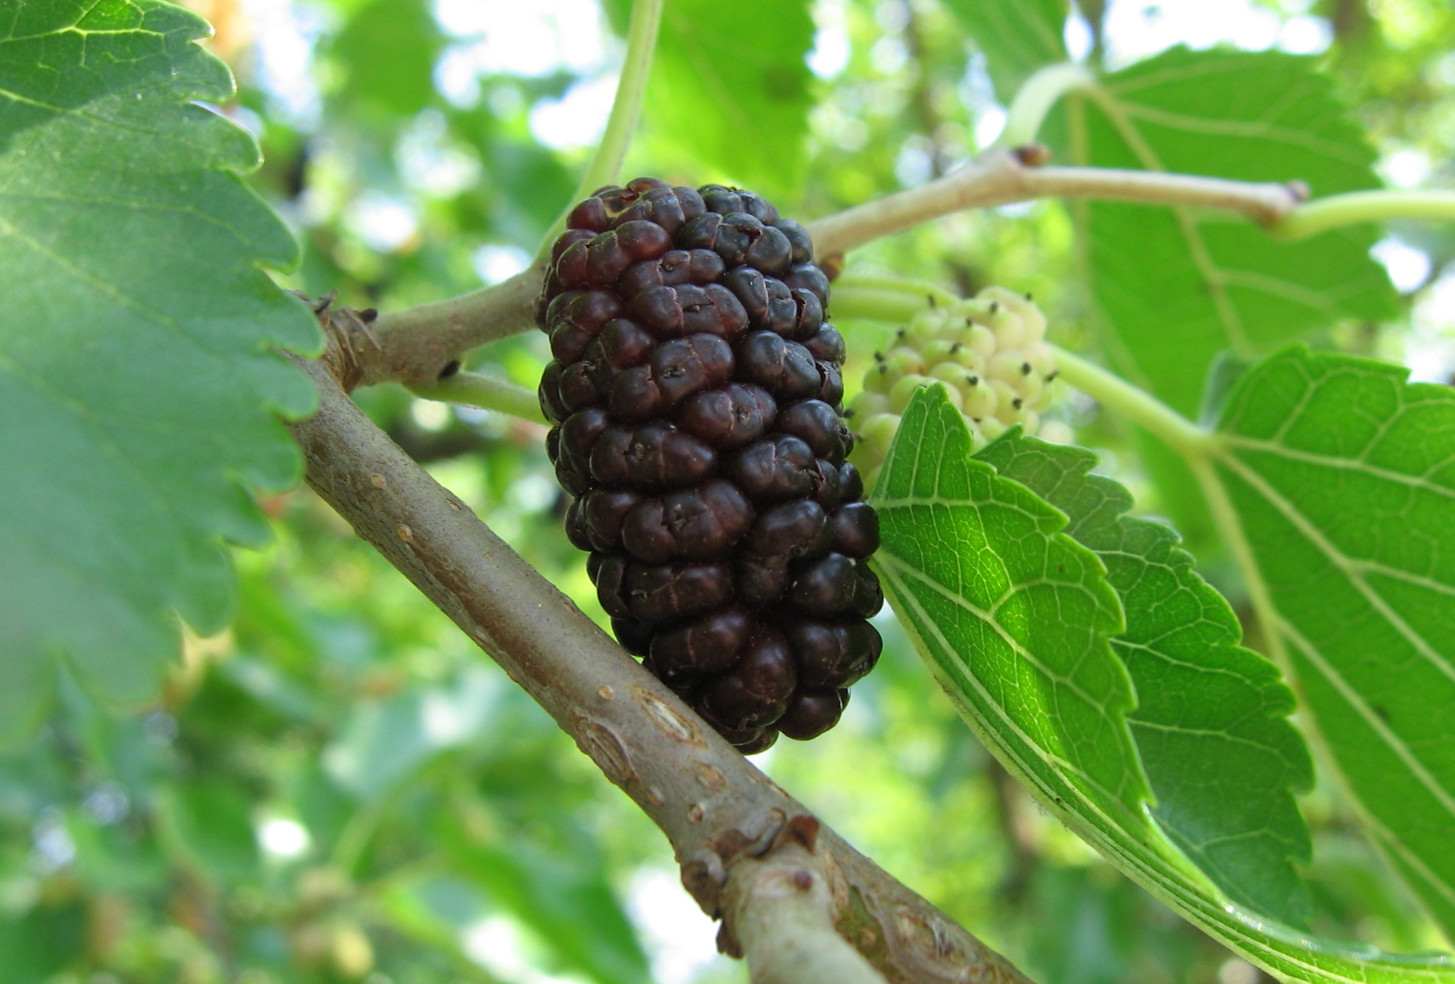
pixel 695 392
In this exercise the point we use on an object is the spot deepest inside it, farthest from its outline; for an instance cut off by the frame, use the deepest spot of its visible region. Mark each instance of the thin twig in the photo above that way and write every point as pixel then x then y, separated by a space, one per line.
pixel 713 805
pixel 417 346
pixel 1000 177
pixel 475 389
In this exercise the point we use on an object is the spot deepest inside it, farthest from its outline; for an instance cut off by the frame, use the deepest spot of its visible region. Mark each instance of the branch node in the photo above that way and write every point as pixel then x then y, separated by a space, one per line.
pixel 704 875
pixel 347 333
pixel 801 829
pixel 1032 155
pixel 780 914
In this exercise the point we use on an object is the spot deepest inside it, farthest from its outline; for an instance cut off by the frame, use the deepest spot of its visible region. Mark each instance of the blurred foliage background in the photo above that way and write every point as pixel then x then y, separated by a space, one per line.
pixel 341 788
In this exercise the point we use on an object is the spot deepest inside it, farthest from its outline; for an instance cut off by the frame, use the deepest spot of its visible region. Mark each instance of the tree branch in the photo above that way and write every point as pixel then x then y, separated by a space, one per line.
pixel 420 345
pixel 1000 177
pixel 781 910
pixel 715 808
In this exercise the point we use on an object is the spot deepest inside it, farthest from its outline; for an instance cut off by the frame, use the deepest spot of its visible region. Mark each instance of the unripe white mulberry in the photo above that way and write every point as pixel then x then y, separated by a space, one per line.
pixel 979 398
pixel 989 351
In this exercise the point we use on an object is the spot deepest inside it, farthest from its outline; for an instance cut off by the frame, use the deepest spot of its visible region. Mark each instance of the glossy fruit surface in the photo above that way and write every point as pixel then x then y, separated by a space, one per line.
pixel 695 392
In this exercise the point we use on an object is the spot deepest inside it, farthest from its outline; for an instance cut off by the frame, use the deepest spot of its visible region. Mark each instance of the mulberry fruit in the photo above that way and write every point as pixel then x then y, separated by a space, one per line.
pixel 696 395
pixel 989 351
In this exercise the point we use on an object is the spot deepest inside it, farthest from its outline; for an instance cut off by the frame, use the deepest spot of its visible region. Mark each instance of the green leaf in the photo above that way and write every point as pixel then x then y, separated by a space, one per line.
pixel 1342 477
pixel 1013 615
pixel 207 823
pixel 733 91
pixel 564 897
pixel 1016 38
pixel 1209 280
pixel 559 894
pixel 384 741
pixel 1210 722
pixel 387 51
pixel 939 510
pixel 47 940
pixel 135 366
pixel 112 858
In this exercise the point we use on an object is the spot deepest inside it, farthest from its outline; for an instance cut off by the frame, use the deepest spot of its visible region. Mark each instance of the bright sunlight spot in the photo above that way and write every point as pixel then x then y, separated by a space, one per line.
pixel 383 222
pixel 429 415
pixel 533 38
pixel 1408 168
pixel 830 54
pixel 1077 36
pixel 1430 349
pixel 495 944
pixel 497 263
pixel 285 33
pixel 578 118
pixel 1135 29
pixel 1408 267
pixel 283 838
pixel 679 937
pixel 532 493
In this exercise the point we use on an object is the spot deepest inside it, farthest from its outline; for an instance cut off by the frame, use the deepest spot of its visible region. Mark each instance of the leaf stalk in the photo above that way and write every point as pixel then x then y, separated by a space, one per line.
pixel 626 112
pixel 1136 404
pixel 1355 207
pixel 1035 99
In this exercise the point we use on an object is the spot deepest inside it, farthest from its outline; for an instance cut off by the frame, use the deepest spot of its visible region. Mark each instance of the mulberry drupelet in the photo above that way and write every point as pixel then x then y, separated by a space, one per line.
pixel 695 396
pixel 989 351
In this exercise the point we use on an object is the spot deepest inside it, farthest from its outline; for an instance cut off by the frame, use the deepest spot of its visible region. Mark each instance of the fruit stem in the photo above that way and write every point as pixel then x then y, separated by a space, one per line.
pixel 884 298
pixel 626 111
pixel 476 389
pixel 1352 208
pixel 1136 404
pixel 874 304
pixel 1035 99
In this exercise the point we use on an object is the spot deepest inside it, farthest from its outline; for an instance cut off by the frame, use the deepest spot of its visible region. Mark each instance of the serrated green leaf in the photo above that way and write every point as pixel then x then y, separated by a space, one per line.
pixel 1013 615
pixel 1210 722
pixel 136 376
pixel 934 541
pixel 733 91
pixel 1016 38
pixel 1209 280
pixel 1342 477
